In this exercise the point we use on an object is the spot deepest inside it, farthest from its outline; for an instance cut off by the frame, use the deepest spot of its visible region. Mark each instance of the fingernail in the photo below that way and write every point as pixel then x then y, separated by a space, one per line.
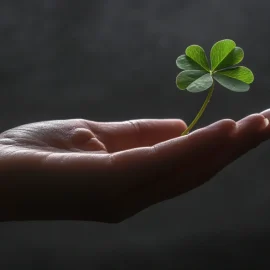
pixel 266 121
pixel 266 113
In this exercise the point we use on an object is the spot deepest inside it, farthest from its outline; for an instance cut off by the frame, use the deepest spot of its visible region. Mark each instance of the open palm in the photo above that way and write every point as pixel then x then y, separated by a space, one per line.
pixel 109 171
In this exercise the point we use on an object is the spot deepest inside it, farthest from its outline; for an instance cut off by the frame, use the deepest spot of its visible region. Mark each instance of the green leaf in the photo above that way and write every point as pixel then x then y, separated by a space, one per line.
pixel 186 63
pixel 197 54
pixel 201 84
pixel 240 73
pixel 220 51
pixel 233 58
pixel 231 83
pixel 185 78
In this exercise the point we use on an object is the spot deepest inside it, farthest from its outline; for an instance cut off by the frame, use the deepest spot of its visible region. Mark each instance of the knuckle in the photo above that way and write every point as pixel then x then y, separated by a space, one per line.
pixel 137 128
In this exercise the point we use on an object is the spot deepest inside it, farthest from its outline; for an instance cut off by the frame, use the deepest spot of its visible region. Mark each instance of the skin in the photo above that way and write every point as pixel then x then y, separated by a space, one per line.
pixel 109 171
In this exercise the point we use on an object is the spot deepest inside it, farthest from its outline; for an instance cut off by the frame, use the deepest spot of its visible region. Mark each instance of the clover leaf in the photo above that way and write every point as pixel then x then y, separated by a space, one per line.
pixel 198 75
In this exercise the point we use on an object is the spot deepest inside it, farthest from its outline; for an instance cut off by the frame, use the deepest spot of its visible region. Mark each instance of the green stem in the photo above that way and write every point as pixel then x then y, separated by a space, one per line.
pixel 198 116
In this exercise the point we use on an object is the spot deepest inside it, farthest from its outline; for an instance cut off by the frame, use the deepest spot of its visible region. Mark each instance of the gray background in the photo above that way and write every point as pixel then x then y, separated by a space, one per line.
pixel 115 60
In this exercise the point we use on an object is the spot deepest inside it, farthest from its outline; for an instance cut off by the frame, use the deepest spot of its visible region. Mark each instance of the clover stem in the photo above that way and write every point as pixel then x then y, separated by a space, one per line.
pixel 198 116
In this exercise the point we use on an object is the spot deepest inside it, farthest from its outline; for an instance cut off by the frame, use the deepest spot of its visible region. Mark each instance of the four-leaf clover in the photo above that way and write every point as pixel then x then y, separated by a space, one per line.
pixel 199 75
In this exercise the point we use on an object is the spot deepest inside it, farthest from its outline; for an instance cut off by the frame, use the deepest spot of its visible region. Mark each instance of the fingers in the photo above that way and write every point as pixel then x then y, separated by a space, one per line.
pixel 184 163
pixel 181 164
pixel 250 132
pixel 175 158
pixel 241 135
pixel 118 136
pixel 178 149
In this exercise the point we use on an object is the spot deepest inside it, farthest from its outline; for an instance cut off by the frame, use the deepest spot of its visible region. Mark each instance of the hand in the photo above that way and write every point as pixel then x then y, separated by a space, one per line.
pixel 85 170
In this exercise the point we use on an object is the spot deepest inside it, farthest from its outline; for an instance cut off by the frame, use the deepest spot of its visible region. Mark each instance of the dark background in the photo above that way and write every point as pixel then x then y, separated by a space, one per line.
pixel 115 60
